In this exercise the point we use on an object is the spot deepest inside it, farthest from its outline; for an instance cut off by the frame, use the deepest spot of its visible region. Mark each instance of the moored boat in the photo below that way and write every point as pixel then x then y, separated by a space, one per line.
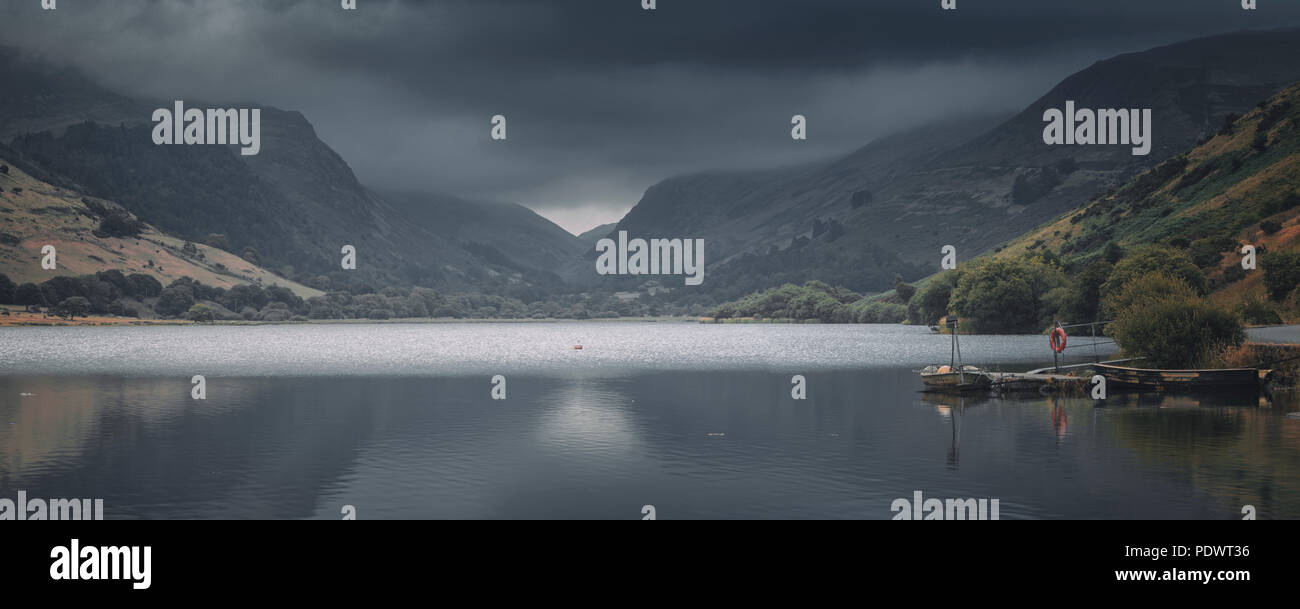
pixel 1199 380
pixel 954 377
pixel 951 378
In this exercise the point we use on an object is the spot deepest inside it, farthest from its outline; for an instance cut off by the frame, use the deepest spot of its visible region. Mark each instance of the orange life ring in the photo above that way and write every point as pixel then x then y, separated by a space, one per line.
pixel 1058 340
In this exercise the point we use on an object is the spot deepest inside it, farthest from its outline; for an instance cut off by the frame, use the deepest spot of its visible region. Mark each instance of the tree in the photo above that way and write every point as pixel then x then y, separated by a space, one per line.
pixel 175 301
pixel 1006 296
pixel 931 302
pixel 140 285
pixel 7 289
pixel 1281 273
pixel 73 307
pixel 904 290
pixel 30 295
pixel 1152 286
pixel 1162 321
pixel 119 224
pixel 1083 304
pixel 1154 259
pixel 200 313
pixel 218 241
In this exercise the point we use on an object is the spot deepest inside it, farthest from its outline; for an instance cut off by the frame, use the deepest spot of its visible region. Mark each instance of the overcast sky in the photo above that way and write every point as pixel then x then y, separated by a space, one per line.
pixel 602 98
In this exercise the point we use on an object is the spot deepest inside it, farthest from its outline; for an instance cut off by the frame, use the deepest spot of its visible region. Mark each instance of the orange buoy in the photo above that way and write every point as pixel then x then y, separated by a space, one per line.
pixel 1058 340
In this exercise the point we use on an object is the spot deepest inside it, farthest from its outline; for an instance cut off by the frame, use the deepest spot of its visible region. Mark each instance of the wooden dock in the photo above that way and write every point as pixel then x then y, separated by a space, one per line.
pixel 1039 382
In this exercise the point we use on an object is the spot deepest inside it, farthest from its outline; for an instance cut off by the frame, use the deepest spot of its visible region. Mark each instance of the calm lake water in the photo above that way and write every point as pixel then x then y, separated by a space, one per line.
pixel 398 420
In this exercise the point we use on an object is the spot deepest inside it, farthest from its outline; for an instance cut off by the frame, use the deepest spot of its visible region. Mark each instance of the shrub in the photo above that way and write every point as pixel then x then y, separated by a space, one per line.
pixel 1208 252
pixel 1153 259
pixel 200 313
pixel 1281 273
pixel 1259 313
pixel 175 301
pixel 30 295
pixel 120 225
pixel 7 289
pixel 1006 296
pixel 140 285
pixel 932 301
pixel 1270 227
pixel 1175 332
pixel 1149 287
pixel 73 307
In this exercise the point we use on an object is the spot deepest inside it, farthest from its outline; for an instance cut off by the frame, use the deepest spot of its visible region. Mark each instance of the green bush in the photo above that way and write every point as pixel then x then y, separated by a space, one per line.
pixel 1163 321
pixel 7 289
pixel 932 301
pixel 1006 296
pixel 175 301
pixel 200 313
pixel 1259 313
pixel 1152 286
pixel 73 307
pixel 1281 273
pixel 1153 259
pixel 30 295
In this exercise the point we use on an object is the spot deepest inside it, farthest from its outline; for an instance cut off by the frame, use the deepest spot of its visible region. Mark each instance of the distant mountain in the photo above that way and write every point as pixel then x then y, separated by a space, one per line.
pixel 590 237
pixel 36 96
pixel 34 214
pixel 971 183
pixel 292 207
pixel 1240 187
pixel 503 233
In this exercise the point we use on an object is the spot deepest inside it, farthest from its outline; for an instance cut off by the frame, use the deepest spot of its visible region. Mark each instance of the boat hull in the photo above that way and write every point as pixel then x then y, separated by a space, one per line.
pixel 954 382
pixel 1230 379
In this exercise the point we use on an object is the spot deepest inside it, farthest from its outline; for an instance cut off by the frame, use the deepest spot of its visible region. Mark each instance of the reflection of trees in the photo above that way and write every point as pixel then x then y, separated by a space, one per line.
pixel 1225 446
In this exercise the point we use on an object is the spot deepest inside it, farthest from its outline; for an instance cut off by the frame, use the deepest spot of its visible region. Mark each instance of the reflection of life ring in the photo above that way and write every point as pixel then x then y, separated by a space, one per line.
pixel 1058 340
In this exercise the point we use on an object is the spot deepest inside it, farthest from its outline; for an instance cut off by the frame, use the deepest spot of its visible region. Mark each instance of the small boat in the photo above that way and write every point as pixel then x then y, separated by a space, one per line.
pixel 951 378
pixel 1186 380
pixel 954 377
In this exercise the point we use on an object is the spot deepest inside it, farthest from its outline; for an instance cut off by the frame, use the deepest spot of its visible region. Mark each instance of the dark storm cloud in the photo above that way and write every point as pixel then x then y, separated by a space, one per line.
pixel 603 98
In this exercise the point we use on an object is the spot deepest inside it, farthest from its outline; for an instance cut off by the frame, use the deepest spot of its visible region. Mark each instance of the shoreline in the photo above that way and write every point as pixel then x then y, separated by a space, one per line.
pixel 20 319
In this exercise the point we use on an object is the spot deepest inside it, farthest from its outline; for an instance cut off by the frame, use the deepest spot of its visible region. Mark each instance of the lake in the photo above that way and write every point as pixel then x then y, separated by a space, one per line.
pixel 399 421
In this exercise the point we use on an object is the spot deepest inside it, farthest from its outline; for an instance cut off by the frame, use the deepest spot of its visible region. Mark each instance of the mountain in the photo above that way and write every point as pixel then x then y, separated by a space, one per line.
pixel 970 182
pixel 590 237
pixel 34 214
pixel 292 207
pixel 38 96
pixel 508 234
pixel 1240 187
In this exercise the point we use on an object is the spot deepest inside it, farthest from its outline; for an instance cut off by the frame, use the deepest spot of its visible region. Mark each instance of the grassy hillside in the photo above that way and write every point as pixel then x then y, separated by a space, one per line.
pixel 1240 187
pixel 34 214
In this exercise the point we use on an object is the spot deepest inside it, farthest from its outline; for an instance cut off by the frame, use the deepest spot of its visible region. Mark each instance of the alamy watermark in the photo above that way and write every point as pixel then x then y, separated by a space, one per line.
pixel 50 509
pixel 131 563
pixel 215 126
pixel 651 257
pixel 1082 127
pixel 920 508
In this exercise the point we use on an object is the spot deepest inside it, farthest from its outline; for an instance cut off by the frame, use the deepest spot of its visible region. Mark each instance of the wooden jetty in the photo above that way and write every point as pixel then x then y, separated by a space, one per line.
pixel 1040 382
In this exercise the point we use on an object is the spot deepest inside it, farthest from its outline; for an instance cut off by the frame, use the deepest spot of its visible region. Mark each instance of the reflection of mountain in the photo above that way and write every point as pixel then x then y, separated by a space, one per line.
pixel 603 446
pixel 1239 455
pixel 255 449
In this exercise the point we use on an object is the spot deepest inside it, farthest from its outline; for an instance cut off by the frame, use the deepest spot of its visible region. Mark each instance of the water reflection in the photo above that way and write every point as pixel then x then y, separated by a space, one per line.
pixel 708 444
